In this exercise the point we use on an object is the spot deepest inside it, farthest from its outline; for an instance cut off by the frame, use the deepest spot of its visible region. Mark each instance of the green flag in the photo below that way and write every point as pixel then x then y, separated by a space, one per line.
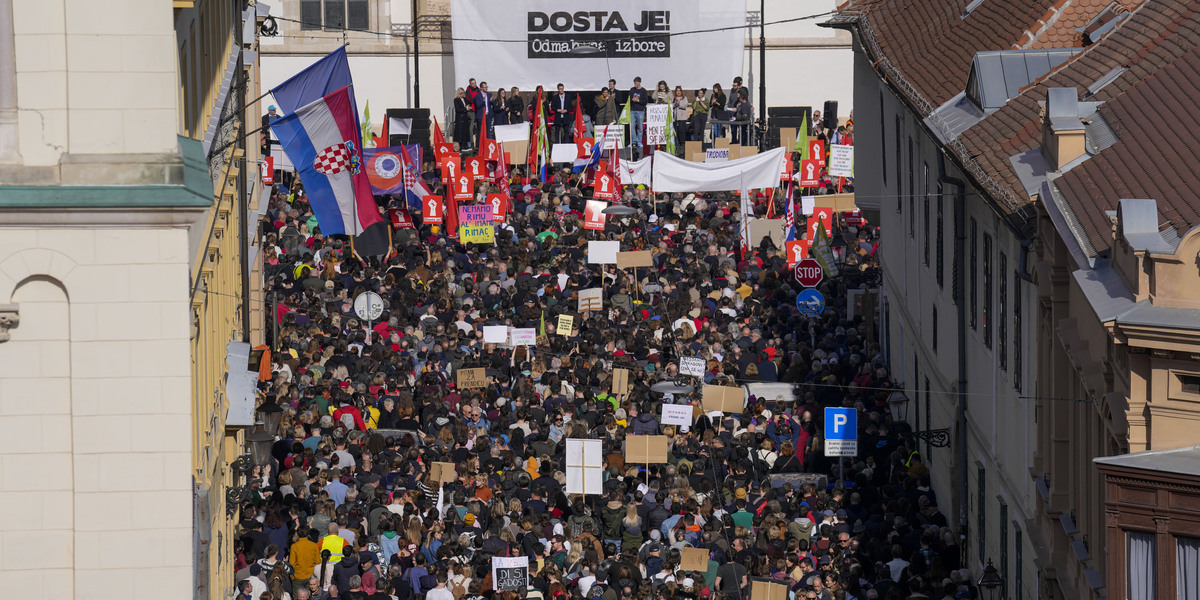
pixel 670 133
pixel 625 119
pixel 801 145
pixel 823 252
pixel 542 330
pixel 368 140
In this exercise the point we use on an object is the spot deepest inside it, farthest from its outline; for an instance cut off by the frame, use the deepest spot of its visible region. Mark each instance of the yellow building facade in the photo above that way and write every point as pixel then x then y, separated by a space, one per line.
pixel 128 201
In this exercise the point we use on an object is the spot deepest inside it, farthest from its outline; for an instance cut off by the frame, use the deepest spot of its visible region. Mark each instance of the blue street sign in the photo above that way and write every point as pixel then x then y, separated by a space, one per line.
pixel 810 302
pixel 841 432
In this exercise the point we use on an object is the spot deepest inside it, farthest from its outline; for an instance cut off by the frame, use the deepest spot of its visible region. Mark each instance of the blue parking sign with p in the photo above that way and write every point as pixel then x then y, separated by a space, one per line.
pixel 841 432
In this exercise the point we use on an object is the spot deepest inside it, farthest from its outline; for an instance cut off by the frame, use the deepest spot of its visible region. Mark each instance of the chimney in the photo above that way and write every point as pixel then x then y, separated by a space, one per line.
pixel 1062 130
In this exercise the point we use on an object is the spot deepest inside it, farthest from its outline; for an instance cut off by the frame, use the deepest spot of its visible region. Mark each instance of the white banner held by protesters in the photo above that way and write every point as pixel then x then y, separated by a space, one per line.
pixel 637 172
pixel 527 43
pixel 757 172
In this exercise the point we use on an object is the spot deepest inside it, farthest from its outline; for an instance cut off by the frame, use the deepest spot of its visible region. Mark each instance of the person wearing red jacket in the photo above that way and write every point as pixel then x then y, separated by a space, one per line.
pixel 347 408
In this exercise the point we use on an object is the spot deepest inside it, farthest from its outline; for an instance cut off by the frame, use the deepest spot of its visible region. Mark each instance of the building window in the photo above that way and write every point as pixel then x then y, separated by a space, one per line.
pixel 935 329
pixel 916 392
pixel 1018 580
pixel 1017 339
pixel 973 277
pixel 1189 384
pixel 1002 321
pixel 981 513
pixel 928 420
pixel 1187 565
pixel 987 290
pixel 335 15
pixel 1141 572
pixel 882 140
pixel 1004 542
pixel 924 195
pixel 939 248
pixel 899 181
pixel 912 192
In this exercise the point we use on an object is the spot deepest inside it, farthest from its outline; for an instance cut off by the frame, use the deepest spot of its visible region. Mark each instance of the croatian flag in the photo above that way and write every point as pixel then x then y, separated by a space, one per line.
pixel 414 186
pixel 322 139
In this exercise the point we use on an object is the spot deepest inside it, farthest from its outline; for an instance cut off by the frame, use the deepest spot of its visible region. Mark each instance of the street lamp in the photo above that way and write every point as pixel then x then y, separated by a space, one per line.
pixel 271 413
pixel 991 580
pixel 898 406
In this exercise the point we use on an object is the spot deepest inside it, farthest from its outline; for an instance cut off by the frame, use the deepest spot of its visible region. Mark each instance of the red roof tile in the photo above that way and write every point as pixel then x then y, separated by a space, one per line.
pixel 931 46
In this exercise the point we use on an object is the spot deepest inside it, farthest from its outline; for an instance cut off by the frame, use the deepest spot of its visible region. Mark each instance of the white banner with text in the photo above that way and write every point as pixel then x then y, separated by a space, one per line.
pixel 581 44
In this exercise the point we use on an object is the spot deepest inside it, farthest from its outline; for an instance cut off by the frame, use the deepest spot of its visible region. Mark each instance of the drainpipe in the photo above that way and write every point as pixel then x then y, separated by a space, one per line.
pixel 960 409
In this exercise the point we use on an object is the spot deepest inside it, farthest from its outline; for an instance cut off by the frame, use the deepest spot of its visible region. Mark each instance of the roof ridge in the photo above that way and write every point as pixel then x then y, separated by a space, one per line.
pixel 1047 20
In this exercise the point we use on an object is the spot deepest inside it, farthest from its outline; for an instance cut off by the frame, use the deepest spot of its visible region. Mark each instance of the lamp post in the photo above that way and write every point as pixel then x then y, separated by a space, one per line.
pixel 271 413
pixel 991 581
pixel 898 406
pixel 416 58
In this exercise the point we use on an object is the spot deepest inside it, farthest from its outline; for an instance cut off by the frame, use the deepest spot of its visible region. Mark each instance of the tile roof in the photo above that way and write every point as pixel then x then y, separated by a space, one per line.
pixel 1151 39
pixel 1060 31
pixel 1159 132
pixel 925 48
pixel 931 45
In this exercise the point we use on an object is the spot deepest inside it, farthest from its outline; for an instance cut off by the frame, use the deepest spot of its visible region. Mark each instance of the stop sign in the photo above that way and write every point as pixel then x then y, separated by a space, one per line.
pixel 808 272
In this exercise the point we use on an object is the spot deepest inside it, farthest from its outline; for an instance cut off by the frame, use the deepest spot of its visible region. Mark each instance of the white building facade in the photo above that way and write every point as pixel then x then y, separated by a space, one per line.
pixel 806 64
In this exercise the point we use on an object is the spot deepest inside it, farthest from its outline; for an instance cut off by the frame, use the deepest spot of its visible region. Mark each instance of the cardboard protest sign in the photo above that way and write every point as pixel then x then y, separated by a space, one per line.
pixel 841 161
pixel 499 204
pixel 510 573
pixel 605 187
pixel 603 253
pixel 469 379
pixel 620 381
pixel 816 151
pixel 635 258
pixel 646 449
pixel 442 472
pixel 656 124
pixel 676 414
pixel 565 324
pixel 692 366
pixel 768 589
pixel 495 334
pixel 761 228
pixel 585 466
pixel 810 173
pixel 724 399
pixel 591 299
pixel 431 210
pixel 693 559
pixel 474 168
pixel 524 336
pixel 593 215
pixel 797 250
pixel 475 223
pixel 824 214
pixel 464 188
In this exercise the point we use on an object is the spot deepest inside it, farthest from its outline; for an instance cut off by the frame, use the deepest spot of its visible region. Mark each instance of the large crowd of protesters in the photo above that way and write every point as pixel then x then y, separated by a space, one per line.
pixel 348 506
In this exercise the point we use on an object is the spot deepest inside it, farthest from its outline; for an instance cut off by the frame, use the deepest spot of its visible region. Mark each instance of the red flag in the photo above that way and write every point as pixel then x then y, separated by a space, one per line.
pixel 533 147
pixel 487 148
pixel 381 141
pixel 438 138
pixel 770 203
pixel 579 132
pixel 451 216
